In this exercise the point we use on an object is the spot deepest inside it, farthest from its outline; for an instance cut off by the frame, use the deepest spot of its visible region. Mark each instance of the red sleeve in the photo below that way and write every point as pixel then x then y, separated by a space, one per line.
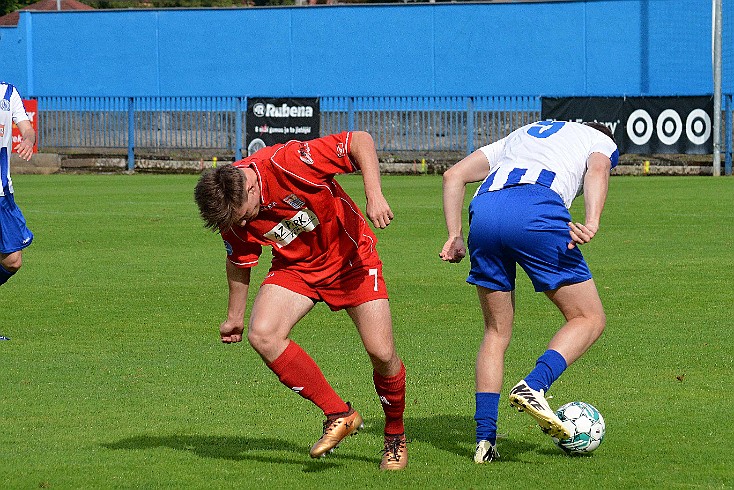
pixel 327 156
pixel 240 251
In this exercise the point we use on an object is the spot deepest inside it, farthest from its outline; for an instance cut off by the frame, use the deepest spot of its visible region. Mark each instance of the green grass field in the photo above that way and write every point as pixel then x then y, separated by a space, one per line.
pixel 114 376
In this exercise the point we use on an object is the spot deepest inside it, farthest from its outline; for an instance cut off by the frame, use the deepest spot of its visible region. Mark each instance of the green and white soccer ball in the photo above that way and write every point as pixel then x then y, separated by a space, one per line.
pixel 585 424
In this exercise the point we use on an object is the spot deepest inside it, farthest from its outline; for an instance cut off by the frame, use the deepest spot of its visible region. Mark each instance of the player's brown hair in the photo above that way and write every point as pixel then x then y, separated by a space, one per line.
pixel 220 193
pixel 601 127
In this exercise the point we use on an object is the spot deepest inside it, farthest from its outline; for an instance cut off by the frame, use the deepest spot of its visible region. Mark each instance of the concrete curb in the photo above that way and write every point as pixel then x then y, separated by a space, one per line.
pixel 50 163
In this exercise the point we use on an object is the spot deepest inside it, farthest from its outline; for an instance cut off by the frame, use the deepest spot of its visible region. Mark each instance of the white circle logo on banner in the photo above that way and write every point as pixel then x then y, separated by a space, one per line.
pixel 639 127
pixel 669 127
pixel 255 145
pixel 259 109
pixel 698 126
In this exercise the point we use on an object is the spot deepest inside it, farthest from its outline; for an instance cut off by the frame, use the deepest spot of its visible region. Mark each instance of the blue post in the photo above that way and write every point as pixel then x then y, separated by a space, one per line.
pixel 130 134
pixel 728 128
pixel 350 114
pixel 27 16
pixel 238 128
pixel 469 125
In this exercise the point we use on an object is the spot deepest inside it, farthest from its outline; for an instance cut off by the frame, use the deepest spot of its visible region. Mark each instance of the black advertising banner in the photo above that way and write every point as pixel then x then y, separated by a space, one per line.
pixel 643 125
pixel 278 120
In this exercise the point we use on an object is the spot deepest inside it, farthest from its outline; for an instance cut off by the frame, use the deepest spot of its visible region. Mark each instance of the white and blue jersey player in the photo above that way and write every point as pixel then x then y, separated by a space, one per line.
pixel 520 216
pixel 14 234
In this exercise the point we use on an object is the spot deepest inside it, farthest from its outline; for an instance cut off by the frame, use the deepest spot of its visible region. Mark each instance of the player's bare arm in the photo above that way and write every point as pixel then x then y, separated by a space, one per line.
pixel 238 280
pixel 473 168
pixel 363 153
pixel 25 147
pixel 596 183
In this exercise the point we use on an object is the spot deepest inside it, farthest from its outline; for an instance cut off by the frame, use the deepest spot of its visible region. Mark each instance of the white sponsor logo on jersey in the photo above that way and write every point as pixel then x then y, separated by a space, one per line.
pixel 287 230
pixel 341 150
pixel 304 153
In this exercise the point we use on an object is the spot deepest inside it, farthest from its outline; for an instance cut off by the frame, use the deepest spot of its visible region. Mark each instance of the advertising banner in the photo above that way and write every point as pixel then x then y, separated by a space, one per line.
pixel 643 125
pixel 31 108
pixel 278 120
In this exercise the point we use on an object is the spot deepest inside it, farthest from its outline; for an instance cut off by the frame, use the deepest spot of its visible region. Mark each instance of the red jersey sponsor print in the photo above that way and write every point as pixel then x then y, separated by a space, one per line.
pixel 310 222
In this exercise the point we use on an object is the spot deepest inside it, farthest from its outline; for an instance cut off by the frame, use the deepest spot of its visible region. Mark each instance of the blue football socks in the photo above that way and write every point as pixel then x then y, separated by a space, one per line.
pixel 4 275
pixel 486 416
pixel 548 368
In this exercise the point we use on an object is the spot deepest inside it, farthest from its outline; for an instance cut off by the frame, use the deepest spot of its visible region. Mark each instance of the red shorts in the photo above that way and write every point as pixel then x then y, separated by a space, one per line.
pixel 355 285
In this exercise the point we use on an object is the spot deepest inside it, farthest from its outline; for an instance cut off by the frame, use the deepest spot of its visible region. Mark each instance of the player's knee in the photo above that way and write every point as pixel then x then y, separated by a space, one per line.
pixel 262 340
pixel 598 322
pixel 255 339
pixel 12 268
pixel 381 354
pixel 12 262
pixel 496 340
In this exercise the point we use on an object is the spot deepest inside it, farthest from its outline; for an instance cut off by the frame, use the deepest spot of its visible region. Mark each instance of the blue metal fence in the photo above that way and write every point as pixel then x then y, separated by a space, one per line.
pixel 429 124
pixel 415 126
pixel 728 130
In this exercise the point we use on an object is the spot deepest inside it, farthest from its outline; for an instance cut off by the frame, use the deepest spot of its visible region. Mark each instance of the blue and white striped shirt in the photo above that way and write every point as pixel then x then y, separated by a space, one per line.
pixel 11 110
pixel 548 153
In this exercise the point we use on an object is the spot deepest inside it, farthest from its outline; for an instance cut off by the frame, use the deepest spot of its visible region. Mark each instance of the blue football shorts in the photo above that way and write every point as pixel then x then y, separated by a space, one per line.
pixel 525 225
pixel 14 234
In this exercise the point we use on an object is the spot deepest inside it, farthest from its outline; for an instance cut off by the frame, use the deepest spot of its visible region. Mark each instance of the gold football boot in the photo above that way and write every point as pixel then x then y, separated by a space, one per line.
pixel 336 428
pixel 395 454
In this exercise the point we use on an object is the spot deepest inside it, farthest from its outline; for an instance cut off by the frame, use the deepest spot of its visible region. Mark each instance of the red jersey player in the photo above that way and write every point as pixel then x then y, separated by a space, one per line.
pixel 285 196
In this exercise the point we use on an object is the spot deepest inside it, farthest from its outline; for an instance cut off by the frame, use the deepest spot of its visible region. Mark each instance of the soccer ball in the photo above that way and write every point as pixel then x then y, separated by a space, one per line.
pixel 586 425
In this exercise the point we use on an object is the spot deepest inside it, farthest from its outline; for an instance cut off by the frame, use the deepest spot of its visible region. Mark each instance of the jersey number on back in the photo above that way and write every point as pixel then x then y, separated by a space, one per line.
pixel 543 129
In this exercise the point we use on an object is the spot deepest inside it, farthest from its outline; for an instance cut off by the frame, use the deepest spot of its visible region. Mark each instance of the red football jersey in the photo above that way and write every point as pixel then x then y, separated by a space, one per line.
pixel 312 225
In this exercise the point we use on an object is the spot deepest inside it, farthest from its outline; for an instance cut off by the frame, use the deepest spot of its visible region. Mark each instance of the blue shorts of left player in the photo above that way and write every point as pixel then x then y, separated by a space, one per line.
pixel 526 225
pixel 14 234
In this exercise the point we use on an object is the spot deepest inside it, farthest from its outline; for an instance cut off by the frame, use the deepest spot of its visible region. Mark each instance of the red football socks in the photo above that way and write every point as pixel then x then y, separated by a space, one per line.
pixel 391 391
pixel 295 369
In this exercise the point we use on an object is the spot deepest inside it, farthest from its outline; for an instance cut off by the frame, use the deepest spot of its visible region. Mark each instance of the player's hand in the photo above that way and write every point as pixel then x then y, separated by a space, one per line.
pixel 379 212
pixel 581 234
pixel 453 250
pixel 231 332
pixel 25 150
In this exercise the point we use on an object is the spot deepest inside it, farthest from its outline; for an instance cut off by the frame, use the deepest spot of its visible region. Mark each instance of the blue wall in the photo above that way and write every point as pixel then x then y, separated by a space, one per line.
pixel 13 56
pixel 593 47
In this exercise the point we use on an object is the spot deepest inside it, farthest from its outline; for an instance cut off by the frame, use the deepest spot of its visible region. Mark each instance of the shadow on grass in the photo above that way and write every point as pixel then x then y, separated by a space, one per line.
pixel 455 434
pixel 237 449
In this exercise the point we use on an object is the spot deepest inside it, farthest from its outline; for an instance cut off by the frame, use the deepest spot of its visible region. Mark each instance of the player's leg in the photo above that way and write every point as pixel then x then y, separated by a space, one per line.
pixel 498 309
pixel 585 319
pixel 14 237
pixel 9 265
pixel 540 248
pixel 585 322
pixel 493 272
pixel 374 324
pixel 274 313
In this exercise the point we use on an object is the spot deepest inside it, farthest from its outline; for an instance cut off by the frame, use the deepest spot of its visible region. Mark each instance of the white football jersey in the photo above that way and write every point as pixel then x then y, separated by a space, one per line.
pixel 11 110
pixel 549 153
